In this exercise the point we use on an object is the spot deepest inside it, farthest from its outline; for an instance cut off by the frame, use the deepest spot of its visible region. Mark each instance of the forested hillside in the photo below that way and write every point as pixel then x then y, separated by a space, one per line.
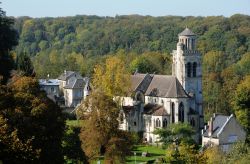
pixel 144 43
pixel 92 36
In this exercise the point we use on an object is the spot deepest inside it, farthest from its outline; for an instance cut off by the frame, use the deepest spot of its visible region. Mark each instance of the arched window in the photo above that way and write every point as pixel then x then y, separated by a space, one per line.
pixel 158 122
pixel 173 113
pixel 194 69
pixel 165 123
pixel 188 69
pixel 192 122
pixel 181 113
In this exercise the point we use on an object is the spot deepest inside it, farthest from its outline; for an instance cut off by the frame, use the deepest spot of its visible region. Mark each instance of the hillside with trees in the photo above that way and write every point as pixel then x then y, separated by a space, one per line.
pixel 144 43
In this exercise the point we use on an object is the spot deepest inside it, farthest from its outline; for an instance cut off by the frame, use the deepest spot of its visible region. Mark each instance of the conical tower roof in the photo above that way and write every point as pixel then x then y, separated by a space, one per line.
pixel 186 32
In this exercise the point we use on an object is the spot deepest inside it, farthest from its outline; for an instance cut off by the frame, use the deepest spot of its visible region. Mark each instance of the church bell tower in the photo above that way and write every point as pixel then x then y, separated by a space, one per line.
pixel 187 69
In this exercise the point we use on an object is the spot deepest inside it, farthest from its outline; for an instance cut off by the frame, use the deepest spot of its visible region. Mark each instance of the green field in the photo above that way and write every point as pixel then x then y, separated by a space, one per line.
pixel 154 153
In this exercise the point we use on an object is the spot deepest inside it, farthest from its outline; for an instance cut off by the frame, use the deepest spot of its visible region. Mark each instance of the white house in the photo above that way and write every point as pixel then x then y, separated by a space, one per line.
pixel 160 100
pixel 72 85
pixel 222 131
pixel 68 90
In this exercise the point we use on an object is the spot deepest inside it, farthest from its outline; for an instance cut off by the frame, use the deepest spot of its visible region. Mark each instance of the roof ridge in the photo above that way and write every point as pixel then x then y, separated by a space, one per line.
pixel 222 128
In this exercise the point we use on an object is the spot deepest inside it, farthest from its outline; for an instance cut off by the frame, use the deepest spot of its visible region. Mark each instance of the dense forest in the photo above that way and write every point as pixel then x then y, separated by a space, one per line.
pixel 144 43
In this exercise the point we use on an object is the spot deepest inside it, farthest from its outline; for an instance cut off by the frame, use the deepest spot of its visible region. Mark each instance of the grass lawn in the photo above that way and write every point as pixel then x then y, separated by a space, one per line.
pixel 154 153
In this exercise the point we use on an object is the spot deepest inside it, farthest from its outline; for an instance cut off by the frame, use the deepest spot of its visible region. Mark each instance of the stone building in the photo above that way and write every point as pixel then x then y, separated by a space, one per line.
pixel 222 131
pixel 68 90
pixel 160 100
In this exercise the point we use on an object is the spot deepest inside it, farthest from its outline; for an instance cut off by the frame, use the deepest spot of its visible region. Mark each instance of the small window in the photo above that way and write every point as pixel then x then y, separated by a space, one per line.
pixel 188 69
pixel 52 89
pixel 173 113
pixel 165 123
pixel 181 113
pixel 158 123
pixel 194 69
pixel 134 123
pixel 162 102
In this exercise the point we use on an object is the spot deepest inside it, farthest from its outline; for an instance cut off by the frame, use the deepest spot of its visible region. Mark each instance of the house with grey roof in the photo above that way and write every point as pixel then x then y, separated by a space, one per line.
pixel 72 86
pixel 222 131
pixel 160 100
pixel 68 90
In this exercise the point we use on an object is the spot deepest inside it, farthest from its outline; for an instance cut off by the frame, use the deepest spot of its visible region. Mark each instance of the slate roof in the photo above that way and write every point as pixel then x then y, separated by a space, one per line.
pixel 186 32
pixel 166 86
pixel 136 80
pixel 155 110
pixel 219 121
pixel 74 83
pixel 48 82
pixel 158 85
pixel 68 74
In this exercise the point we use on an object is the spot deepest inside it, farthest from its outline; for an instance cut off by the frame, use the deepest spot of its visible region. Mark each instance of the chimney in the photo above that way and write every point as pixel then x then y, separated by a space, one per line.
pixel 65 72
pixel 210 128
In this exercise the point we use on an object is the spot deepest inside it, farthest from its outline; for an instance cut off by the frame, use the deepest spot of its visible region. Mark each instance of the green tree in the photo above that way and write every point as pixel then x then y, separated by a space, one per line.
pixel 71 144
pixel 100 134
pixel 8 39
pixel 184 153
pixel 176 133
pixel 143 65
pixel 24 65
pixel 241 104
pixel 34 124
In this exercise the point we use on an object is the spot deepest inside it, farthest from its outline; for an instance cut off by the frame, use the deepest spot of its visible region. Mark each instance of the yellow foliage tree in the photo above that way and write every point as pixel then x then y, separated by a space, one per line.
pixel 214 155
pixel 112 78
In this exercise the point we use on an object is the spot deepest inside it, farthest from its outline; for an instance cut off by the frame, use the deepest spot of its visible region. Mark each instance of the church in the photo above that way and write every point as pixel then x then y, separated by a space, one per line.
pixel 160 100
